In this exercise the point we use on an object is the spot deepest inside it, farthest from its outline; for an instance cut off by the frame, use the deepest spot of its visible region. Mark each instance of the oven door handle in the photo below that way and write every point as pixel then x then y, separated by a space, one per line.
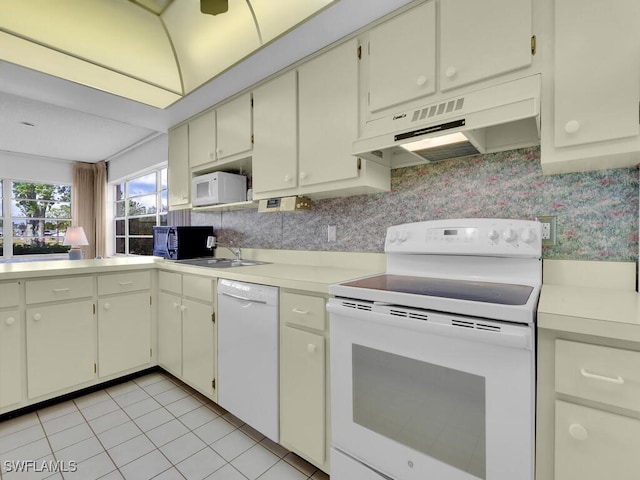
pixel 512 336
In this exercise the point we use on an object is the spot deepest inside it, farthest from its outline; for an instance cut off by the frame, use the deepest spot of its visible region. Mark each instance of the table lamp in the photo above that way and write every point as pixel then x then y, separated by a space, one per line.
pixel 75 237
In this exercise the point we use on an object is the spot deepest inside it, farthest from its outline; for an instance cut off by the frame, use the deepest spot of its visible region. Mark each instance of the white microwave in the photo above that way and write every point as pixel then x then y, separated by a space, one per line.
pixel 218 187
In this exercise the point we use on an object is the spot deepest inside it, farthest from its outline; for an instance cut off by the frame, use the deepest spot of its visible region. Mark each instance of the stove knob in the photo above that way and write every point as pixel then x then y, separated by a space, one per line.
pixel 528 236
pixel 403 236
pixel 493 235
pixel 393 236
pixel 510 235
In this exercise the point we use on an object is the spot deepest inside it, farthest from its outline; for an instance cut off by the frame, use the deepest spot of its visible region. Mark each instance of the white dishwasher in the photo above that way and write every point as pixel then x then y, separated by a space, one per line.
pixel 248 354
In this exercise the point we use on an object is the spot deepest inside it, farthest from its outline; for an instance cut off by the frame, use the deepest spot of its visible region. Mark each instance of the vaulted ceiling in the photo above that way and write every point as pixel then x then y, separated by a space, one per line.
pixel 87 79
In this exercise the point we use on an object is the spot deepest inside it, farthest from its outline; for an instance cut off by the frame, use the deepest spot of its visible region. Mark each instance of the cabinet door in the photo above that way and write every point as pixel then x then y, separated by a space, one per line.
pixel 302 392
pixel 275 149
pixel 198 346
pixel 202 139
pixel 328 121
pixel 402 58
pixel 170 332
pixel 592 444
pixel 10 358
pixel 60 346
pixel 597 73
pixel 483 38
pixel 233 124
pixel 178 168
pixel 124 332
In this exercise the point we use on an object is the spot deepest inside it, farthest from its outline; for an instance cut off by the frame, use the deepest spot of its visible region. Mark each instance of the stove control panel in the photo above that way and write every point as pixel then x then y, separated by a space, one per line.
pixel 469 236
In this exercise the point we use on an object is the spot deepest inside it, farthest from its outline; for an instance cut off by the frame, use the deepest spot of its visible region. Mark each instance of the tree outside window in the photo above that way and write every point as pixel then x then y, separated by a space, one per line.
pixel 40 214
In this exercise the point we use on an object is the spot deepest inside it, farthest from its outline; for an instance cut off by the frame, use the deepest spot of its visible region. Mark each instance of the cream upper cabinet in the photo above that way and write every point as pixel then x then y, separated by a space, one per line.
pixel 483 38
pixel 178 169
pixel 202 139
pixel 402 58
pixel 328 116
pixel 597 72
pixel 234 129
pixel 275 149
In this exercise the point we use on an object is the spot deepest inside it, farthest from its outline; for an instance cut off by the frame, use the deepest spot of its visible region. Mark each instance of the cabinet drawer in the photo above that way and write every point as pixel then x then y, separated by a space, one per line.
pixel 123 282
pixel 198 287
pixel 592 444
pixel 602 374
pixel 171 282
pixel 9 294
pixel 40 291
pixel 303 310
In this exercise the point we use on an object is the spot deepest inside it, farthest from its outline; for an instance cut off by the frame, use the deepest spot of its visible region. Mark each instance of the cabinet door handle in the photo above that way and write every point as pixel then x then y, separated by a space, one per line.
pixel 311 348
pixel 287 178
pixel 422 80
pixel 183 308
pixel 450 72
pixel 59 290
pixel 37 317
pixel 107 306
pixel 176 304
pixel 572 126
pixel 122 284
pixel 303 175
pixel 578 432
pixel 301 312
pixel 617 380
pixel 10 321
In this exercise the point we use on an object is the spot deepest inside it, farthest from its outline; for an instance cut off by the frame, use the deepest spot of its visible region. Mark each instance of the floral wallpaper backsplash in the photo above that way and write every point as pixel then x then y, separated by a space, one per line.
pixel 597 212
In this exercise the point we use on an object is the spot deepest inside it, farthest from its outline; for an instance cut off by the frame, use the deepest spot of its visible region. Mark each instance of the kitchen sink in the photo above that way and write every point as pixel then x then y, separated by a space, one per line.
pixel 214 262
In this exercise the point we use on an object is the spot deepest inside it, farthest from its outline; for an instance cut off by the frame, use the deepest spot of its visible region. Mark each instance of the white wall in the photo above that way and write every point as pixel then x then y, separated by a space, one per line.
pixel 139 159
pixel 35 169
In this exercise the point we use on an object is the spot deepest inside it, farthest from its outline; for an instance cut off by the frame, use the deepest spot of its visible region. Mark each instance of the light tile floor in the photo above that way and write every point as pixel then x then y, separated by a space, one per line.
pixel 151 427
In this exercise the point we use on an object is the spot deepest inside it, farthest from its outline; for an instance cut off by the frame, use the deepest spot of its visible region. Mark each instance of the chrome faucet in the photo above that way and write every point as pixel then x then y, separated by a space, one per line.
pixel 237 252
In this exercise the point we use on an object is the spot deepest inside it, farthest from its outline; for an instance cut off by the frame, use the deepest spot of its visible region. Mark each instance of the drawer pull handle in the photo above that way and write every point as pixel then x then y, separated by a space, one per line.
pixel 617 380
pixel 60 290
pixel 578 432
pixel 122 284
pixel 301 312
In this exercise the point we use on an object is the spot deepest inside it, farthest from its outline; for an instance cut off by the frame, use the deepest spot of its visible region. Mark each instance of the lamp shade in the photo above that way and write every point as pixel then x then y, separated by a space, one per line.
pixel 75 236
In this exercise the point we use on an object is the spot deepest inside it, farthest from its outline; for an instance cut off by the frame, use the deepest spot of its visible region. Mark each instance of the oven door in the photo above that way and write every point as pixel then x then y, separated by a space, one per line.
pixel 418 394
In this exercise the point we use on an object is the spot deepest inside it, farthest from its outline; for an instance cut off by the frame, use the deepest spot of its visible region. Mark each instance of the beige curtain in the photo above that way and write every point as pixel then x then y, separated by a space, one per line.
pixel 89 206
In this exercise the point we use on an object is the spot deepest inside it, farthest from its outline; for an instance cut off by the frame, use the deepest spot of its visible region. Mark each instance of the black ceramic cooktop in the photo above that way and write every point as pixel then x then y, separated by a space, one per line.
pixel 499 293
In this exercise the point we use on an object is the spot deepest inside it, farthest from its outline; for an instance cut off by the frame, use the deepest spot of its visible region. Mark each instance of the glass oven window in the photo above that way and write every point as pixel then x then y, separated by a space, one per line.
pixel 430 408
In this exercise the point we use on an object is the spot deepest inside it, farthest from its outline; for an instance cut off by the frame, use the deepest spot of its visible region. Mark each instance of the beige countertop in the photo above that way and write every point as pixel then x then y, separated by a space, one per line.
pixel 591 298
pixel 309 271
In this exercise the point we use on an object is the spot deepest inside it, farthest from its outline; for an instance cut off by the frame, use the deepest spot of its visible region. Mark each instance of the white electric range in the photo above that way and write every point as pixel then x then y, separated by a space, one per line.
pixel 433 362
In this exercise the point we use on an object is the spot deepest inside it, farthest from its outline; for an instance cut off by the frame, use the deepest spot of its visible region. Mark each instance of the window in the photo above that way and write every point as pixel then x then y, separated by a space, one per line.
pixel 139 204
pixel 39 216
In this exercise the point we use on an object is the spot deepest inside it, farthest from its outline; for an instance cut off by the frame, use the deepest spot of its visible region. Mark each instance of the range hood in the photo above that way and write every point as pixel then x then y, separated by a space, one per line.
pixel 497 118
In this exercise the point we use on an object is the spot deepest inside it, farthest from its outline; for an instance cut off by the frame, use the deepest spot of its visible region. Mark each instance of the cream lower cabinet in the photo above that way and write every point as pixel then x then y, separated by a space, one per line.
pixel 588 424
pixel 60 334
pixel 11 341
pixel 304 414
pixel 186 329
pixel 124 322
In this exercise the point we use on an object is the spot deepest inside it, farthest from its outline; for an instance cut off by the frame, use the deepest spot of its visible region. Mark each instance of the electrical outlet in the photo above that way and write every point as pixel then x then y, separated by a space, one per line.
pixel 548 230
pixel 331 233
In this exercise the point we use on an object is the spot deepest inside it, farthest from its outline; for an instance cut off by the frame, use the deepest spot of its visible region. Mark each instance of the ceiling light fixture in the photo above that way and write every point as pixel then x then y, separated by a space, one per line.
pixel 214 7
pixel 27 124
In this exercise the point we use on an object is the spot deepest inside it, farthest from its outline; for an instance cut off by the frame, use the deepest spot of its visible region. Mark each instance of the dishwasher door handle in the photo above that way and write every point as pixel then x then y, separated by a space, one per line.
pixel 239 297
